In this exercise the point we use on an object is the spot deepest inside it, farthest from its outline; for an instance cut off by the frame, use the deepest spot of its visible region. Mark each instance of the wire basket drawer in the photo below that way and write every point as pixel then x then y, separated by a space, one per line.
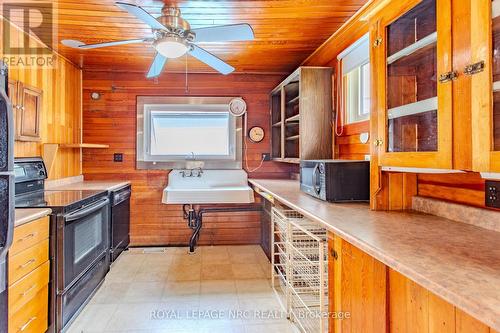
pixel 300 269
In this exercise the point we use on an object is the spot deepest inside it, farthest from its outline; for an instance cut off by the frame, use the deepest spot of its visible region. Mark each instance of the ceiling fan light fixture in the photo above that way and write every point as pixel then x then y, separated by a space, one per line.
pixel 171 47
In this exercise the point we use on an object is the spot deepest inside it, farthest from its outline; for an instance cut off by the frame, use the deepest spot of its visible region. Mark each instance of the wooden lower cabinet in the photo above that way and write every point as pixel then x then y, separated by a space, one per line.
pixel 29 273
pixel 374 298
pixel 358 289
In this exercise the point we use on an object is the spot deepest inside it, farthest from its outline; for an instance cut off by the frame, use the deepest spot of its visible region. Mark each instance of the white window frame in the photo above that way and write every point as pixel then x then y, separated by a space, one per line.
pixel 354 58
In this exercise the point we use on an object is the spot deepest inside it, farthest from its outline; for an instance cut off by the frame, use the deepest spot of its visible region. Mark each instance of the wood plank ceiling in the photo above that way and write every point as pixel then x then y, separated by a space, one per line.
pixel 286 31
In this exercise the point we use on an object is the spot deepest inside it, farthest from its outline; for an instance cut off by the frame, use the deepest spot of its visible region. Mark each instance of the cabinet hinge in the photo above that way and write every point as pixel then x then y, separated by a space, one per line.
pixel 377 42
pixel 378 142
pixel 472 69
pixel 447 77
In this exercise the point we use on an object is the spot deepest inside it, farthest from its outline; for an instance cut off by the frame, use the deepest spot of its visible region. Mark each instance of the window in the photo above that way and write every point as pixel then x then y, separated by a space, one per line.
pixel 356 81
pixel 189 134
pixel 173 130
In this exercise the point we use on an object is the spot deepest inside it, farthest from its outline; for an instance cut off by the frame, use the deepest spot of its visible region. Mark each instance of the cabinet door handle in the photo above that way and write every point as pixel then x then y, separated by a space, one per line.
pixel 27 263
pixel 22 328
pixel 27 291
pixel 447 77
pixel 33 234
pixel 472 69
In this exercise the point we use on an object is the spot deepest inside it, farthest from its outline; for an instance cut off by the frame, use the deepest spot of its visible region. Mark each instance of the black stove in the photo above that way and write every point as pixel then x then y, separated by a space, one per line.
pixel 79 238
pixel 58 201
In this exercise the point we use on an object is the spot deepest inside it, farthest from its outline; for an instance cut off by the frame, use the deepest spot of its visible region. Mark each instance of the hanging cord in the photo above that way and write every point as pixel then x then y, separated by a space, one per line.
pixel 186 63
pixel 339 114
pixel 245 147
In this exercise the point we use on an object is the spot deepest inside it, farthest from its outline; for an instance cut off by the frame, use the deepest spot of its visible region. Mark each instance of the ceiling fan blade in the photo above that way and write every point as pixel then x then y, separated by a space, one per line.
pixel 141 14
pixel 211 60
pixel 81 45
pixel 224 33
pixel 157 65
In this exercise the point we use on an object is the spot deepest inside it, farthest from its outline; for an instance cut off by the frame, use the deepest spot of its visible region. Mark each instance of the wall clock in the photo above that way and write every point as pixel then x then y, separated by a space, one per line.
pixel 256 134
pixel 237 107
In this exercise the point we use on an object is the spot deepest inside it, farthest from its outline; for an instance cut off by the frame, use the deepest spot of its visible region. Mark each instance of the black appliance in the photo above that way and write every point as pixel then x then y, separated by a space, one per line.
pixel 79 238
pixel 6 189
pixel 120 221
pixel 336 180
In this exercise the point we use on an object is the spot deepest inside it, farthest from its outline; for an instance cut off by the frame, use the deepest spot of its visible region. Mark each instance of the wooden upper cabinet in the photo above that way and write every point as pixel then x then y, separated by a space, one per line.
pixel 28 113
pixel 413 79
pixel 485 75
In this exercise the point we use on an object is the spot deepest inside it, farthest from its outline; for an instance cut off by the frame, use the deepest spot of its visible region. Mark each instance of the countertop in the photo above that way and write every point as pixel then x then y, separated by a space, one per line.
pixel 25 215
pixel 91 185
pixel 457 261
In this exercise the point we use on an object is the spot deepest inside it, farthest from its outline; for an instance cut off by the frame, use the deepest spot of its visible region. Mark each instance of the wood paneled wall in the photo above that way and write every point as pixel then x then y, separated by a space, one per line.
pixel 112 120
pixel 61 109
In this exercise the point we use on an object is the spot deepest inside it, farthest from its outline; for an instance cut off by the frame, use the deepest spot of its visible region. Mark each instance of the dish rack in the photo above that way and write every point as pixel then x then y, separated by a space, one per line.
pixel 300 269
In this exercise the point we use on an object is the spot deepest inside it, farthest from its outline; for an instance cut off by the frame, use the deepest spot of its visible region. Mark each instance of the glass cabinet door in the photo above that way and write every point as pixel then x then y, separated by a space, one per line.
pixel 415 127
pixel 412 80
pixel 495 27
pixel 484 70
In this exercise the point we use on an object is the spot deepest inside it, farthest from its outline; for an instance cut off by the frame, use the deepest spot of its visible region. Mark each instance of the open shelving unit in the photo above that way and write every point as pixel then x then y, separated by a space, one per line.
pixel 300 104
pixel 50 151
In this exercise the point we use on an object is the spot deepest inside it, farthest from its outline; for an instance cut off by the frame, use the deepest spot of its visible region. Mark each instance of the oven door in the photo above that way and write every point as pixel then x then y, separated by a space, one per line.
pixel 310 180
pixel 85 239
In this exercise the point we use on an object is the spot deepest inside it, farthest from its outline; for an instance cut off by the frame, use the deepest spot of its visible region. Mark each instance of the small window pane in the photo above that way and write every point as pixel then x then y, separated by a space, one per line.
pixel 357 94
pixel 201 134
pixel 365 110
pixel 351 81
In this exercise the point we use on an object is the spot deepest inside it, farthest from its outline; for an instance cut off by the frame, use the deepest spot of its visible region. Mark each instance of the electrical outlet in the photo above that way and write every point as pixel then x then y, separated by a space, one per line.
pixel 492 193
pixel 266 156
pixel 118 157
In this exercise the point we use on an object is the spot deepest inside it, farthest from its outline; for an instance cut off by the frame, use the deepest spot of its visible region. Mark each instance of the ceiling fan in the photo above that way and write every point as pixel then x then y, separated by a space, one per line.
pixel 173 37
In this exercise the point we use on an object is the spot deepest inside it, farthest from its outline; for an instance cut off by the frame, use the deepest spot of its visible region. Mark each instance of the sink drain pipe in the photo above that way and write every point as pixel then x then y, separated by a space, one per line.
pixel 195 218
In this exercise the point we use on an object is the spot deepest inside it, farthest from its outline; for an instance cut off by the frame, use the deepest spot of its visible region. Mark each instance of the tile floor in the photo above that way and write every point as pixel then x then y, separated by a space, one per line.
pixel 217 289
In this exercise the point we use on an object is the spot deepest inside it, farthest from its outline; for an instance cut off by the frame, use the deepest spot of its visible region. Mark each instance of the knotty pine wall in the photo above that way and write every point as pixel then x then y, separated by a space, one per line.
pixel 112 120
pixel 61 109
pixel 465 188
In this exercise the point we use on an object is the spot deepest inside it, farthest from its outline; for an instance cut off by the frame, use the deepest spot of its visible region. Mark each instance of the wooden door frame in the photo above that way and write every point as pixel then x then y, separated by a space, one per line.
pixel 442 159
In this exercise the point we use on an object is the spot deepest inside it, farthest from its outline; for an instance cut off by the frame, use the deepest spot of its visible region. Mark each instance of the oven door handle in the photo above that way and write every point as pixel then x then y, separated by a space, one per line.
pixel 86 211
pixel 121 197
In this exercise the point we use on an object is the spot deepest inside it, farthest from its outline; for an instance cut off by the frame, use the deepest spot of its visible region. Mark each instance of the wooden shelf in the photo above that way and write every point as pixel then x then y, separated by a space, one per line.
pixel 278 124
pixel 50 151
pixel 294 160
pixel 83 145
pixel 294 100
pixel 425 105
pixel 293 137
pixel 424 43
pixel 293 118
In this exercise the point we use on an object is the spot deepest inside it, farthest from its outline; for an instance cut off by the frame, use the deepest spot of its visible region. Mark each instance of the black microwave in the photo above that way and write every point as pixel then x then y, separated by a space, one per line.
pixel 336 180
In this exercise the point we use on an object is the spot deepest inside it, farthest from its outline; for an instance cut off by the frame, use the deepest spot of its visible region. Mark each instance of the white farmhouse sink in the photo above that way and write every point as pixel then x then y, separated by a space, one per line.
pixel 212 187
